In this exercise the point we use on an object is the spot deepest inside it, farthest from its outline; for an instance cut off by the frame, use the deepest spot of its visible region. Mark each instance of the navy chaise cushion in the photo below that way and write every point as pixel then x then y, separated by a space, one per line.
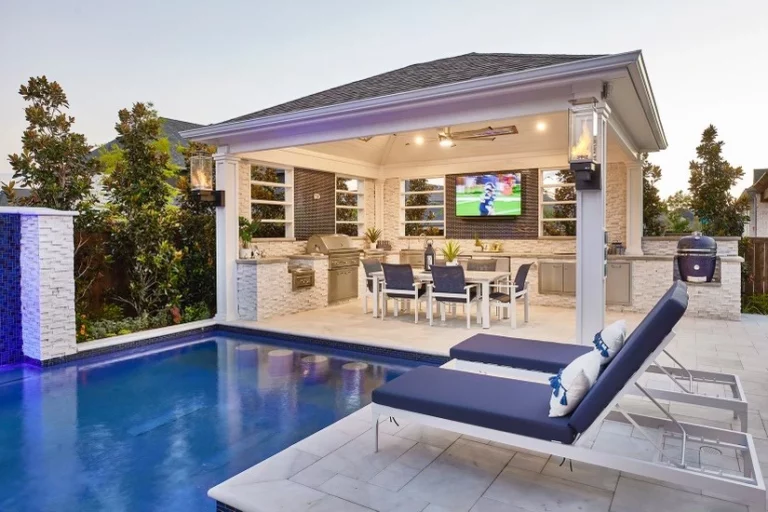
pixel 639 346
pixel 508 405
pixel 538 356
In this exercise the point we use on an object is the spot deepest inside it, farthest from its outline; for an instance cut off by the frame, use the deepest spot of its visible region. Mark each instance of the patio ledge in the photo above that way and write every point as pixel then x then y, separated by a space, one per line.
pixel 142 335
pixel 36 212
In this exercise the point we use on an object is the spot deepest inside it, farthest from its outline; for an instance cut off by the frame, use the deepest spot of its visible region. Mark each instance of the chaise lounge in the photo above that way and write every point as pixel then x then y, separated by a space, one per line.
pixel 535 360
pixel 516 412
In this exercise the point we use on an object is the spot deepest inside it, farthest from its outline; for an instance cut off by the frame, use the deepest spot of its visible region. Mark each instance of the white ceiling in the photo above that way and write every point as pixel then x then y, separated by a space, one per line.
pixel 400 149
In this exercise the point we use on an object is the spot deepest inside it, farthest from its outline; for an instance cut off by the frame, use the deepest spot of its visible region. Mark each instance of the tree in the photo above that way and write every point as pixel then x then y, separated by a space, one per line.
pixel 711 180
pixel 141 218
pixel 57 166
pixel 653 206
pixel 54 163
pixel 196 238
pixel 424 213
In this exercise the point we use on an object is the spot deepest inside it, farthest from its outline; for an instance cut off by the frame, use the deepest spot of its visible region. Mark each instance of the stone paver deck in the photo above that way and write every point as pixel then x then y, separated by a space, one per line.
pixel 425 469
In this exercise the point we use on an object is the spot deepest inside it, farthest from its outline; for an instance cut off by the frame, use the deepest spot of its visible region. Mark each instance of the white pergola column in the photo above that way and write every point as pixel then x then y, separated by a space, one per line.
pixel 590 245
pixel 226 236
pixel 634 208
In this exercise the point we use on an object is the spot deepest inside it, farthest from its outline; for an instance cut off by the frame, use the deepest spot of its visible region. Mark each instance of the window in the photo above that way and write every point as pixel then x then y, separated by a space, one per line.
pixel 422 207
pixel 558 203
pixel 272 200
pixel 349 206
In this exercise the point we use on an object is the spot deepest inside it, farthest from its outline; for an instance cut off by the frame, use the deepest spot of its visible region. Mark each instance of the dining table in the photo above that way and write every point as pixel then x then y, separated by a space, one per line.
pixel 483 278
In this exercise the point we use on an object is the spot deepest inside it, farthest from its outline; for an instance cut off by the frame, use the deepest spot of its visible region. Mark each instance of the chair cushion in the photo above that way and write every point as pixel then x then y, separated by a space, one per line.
pixel 500 297
pixel 641 344
pixel 538 356
pixel 571 384
pixel 508 405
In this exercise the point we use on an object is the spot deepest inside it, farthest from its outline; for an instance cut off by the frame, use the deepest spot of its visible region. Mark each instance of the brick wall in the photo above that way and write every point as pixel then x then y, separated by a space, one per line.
pixel 524 226
pixel 313 216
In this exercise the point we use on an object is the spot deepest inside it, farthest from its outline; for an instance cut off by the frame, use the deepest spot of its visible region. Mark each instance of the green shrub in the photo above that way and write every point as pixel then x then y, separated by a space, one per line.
pixel 755 304
pixel 104 328
pixel 196 312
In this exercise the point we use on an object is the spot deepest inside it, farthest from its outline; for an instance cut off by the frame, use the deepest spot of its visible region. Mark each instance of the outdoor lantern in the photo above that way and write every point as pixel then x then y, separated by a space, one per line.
pixel 201 179
pixel 582 146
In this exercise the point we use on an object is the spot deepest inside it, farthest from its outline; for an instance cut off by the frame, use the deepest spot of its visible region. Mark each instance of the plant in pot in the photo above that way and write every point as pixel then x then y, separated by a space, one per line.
pixel 372 235
pixel 247 232
pixel 451 251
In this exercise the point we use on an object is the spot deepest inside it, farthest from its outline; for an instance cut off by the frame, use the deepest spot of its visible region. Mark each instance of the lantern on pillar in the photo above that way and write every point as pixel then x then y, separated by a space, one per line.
pixel 201 179
pixel 582 146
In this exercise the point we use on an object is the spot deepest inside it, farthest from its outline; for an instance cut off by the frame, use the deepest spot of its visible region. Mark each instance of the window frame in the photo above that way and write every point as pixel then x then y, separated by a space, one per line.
pixel 360 193
pixel 542 203
pixel 288 203
pixel 403 208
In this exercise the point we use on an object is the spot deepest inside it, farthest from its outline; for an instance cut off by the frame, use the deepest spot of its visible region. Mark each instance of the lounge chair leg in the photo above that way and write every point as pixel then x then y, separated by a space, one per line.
pixel 416 311
pixel 375 432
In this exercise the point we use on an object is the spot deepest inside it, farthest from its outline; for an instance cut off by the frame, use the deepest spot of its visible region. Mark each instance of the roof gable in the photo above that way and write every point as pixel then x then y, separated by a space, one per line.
pixel 419 76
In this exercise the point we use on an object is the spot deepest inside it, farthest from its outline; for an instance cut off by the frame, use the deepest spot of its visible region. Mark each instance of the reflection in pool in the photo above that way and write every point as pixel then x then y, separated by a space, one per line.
pixel 156 428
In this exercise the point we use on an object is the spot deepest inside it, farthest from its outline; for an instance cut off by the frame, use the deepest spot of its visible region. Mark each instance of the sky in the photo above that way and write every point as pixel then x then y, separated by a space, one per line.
pixel 209 61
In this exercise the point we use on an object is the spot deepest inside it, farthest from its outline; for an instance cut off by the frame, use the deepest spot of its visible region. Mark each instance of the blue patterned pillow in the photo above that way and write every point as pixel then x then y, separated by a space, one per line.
pixel 609 341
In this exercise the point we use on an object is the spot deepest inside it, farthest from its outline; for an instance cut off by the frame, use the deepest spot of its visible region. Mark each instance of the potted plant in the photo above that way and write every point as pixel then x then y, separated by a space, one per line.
pixel 247 231
pixel 372 235
pixel 451 251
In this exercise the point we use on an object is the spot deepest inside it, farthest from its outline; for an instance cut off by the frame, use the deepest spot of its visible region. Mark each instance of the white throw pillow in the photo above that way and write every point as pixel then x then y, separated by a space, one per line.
pixel 572 383
pixel 609 341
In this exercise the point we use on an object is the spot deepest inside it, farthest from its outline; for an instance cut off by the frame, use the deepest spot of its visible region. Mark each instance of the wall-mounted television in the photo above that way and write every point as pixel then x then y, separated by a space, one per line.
pixel 489 195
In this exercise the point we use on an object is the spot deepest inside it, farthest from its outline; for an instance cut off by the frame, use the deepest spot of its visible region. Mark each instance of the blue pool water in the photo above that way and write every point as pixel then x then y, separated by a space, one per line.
pixel 154 429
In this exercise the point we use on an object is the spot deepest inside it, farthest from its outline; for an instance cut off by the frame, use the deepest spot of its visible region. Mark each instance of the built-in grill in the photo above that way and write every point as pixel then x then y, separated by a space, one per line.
pixel 343 262
pixel 697 258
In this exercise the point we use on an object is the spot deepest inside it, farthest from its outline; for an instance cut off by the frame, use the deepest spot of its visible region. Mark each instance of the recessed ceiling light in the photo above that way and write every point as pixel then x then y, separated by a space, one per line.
pixel 541 126
pixel 418 140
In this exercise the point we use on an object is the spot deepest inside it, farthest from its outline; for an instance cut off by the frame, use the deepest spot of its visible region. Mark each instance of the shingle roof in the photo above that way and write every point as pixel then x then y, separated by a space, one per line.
pixel 420 76
pixel 171 129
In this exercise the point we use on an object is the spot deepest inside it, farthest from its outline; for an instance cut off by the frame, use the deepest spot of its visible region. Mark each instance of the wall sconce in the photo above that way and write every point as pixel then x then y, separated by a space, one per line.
pixel 201 179
pixel 582 146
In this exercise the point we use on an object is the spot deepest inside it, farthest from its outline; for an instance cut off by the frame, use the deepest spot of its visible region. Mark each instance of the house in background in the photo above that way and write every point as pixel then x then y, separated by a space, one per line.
pixel 758 205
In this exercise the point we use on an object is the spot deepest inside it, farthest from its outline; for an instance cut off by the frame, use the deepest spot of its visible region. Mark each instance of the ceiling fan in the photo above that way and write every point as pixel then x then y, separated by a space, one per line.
pixel 447 138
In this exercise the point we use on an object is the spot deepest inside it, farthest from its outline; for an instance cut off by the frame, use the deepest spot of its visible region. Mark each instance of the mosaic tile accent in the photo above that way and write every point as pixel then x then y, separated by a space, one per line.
pixel 11 350
pixel 223 507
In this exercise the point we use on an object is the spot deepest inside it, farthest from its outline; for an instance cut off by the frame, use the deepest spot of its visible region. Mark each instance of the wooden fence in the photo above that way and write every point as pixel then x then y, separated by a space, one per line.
pixel 756 260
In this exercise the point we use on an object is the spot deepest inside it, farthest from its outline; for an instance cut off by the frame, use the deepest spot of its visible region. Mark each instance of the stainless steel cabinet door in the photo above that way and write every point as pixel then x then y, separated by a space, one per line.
pixel 569 278
pixel 550 277
pixel 618 284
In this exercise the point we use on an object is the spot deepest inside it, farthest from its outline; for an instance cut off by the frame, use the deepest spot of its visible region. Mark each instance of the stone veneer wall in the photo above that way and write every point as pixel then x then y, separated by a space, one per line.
pixel 40 288
pixel 264 288
pixel 616 203
pixel 667 245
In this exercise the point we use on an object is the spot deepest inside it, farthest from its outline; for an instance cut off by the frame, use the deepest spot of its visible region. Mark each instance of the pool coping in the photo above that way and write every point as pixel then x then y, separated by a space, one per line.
pixel 163 334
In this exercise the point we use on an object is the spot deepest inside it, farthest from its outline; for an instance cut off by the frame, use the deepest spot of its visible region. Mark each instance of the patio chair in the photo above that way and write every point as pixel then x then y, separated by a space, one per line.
pixel 399 284
pixel 449 286
pixel 481 265
pixel 507 292
pixel 370 265
pixel 516 412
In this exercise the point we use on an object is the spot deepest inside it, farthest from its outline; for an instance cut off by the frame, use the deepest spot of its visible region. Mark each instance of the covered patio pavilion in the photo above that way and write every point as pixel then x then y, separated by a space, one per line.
pixel 368 130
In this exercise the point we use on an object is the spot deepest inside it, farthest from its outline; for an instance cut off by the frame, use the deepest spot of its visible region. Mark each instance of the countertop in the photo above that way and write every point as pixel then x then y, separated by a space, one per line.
pixel 262 261
pixel 308 257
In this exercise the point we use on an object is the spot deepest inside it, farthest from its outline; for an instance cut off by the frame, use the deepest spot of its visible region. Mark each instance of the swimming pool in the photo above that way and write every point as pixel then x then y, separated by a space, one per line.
pixel 155 428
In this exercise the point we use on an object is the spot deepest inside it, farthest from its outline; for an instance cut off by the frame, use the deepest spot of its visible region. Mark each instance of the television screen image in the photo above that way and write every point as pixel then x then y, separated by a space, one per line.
pixel 485 195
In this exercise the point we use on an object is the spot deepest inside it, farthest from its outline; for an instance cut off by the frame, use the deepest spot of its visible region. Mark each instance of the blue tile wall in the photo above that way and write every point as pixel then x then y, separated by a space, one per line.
pixel 11 350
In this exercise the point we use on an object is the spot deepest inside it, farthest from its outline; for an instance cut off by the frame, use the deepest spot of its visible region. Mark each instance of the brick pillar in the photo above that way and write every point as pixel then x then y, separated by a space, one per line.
pixel 46 291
